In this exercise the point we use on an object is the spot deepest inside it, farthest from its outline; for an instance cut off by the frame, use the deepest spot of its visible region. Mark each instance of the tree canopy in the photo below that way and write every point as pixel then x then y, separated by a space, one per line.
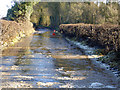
pixel 54 13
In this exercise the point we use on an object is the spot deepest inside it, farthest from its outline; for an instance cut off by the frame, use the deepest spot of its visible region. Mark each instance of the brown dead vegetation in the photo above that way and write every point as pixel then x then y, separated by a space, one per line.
pixel 104 35
pixel 12 31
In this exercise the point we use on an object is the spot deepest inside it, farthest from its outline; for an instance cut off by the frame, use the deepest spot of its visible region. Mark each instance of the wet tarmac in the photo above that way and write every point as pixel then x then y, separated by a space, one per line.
pixel 45 60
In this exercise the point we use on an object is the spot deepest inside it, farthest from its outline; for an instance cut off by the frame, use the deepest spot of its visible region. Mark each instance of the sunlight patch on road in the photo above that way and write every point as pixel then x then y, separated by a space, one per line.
pixel 27 77
pixel 14 67
pixel 5 73
pixel 68 85
pixel 16 85
pixel 47 84
pixel 75 56
pixel 69 78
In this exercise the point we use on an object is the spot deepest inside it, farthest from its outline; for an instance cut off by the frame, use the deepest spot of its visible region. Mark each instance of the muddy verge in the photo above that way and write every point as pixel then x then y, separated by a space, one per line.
pixel 106 37
pixel 12 32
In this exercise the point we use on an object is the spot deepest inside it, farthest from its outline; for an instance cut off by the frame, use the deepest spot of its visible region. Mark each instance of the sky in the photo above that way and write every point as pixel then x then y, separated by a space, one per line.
pixel 4 6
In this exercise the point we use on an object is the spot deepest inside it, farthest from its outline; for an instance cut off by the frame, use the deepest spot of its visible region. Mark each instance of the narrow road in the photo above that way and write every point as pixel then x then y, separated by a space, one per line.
pixel 47 60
